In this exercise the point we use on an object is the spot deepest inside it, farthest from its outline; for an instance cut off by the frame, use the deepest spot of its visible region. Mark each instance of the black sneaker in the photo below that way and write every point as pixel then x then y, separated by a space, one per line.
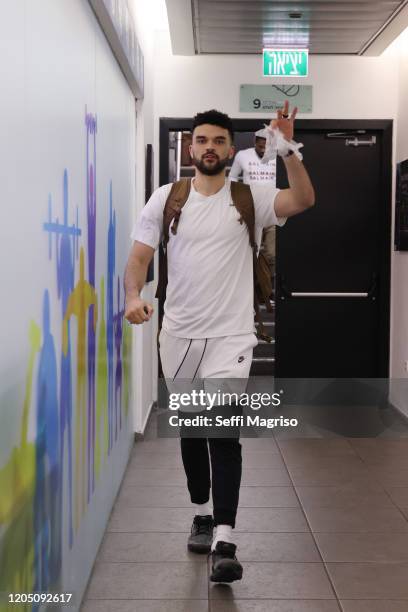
pixel 225 565
pixel 201 534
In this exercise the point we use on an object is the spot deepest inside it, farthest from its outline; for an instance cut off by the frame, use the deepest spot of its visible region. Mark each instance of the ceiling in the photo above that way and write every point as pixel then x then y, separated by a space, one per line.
pixel 346 27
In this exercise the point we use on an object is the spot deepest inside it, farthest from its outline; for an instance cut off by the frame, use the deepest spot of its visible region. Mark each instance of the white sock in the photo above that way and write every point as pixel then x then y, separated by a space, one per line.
pixel 223 533
pixel 203 509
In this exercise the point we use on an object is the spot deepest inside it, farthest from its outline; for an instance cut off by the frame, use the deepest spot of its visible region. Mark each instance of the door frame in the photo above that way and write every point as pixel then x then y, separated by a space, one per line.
pixel 385 127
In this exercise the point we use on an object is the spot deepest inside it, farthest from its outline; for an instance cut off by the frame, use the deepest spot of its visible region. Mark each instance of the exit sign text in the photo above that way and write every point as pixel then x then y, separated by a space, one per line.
pixel 285 62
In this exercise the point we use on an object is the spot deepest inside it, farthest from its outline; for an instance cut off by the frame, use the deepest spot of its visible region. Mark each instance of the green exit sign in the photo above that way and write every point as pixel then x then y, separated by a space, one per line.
pixel 285 62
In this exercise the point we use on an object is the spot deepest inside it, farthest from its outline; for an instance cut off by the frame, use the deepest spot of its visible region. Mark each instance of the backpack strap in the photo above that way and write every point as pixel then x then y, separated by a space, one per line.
pixel 178 196
pixel 242 198
pixel 244 203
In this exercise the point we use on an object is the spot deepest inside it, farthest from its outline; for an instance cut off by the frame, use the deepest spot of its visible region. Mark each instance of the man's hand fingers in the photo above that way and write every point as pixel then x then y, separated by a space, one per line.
pixel 147 312
pixel 139 315
pixel 294 113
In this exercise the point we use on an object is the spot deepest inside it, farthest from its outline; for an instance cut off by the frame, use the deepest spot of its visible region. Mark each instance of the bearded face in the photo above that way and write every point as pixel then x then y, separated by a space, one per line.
pixel 211 149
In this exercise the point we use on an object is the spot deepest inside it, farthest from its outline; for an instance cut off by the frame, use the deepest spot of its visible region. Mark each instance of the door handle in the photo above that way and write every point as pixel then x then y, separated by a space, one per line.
pixel 284 292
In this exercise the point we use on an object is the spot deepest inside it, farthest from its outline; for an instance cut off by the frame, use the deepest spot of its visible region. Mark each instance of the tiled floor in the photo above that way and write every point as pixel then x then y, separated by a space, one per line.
pixel 322 526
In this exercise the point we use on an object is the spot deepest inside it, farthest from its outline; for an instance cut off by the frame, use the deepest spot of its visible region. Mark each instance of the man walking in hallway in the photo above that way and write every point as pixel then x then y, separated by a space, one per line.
pixel 208 325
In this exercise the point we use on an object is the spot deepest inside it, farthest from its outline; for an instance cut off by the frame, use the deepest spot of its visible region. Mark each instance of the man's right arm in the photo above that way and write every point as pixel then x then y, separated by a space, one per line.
pixel 136 309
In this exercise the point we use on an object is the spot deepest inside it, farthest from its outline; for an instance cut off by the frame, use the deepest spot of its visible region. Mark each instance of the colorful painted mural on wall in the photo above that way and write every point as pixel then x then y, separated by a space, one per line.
pixel 78 388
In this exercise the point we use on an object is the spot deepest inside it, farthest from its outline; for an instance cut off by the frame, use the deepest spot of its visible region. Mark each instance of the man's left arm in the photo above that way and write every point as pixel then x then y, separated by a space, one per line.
pixel 300 196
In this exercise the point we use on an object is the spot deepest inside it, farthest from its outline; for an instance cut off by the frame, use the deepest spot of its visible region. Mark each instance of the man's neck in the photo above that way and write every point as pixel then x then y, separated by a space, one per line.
pixel 208 185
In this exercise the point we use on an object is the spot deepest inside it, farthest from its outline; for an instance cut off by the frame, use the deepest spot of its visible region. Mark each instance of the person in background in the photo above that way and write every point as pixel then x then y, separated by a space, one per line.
pixel 248 162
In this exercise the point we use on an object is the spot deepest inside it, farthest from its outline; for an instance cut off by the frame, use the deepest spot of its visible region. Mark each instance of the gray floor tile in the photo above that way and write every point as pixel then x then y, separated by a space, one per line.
pixel 268 497
pixel 264 477
pixel 177 496
pixel 154 497
pixel 148 580
pixel 274 605
pixel 342 497
pixel 141 459
pixel 151 433
pixel 160 445
pixel 386 462
pixel 363 547
pixel 370 580
pixel 277 581
pixel 399 495
pixel 367 446
pixel 146 547
pixel 305 428
pixel 276 547
pixel 251 459
pixel 316 447
pixel 154 477
pixel 252 520
pixel 371 605
pixel 362 536
pixel 261 459
pixel 353 463
pixel 303 431
pixel 145 605
pixel 327 476
pixel 358 519
pixel 404 512
pixel 259 444
pixel 397 477
pixel 150 519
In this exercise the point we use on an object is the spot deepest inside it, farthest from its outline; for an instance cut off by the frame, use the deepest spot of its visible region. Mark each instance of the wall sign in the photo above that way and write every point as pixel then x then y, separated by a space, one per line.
pixel 268 98
pixel 117 23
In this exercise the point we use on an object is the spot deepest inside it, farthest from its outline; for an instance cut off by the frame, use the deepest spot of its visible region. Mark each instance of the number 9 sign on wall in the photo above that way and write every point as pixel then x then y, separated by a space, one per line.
pixel 268 98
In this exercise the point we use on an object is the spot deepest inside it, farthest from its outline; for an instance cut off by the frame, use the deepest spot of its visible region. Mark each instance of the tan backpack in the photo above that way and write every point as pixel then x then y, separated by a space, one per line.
pixel 243 202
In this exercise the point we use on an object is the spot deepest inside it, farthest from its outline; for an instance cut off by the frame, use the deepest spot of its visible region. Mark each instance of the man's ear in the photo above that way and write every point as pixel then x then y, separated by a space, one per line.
pixel 231 152
pixel 190 149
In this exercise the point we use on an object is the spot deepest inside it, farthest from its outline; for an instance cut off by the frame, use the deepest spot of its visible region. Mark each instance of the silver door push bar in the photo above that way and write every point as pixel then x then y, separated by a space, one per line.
pixel 328 294
pixel 284 292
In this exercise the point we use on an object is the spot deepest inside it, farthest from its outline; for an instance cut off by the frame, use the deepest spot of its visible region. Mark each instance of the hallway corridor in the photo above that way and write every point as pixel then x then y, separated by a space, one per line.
pixel 322 527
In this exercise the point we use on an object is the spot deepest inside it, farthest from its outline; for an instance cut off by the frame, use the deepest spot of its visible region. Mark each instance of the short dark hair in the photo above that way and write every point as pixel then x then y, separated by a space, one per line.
pixel 214 117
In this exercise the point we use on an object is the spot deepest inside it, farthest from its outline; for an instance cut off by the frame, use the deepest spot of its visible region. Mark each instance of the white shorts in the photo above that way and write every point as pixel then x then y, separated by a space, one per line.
pixel 194 364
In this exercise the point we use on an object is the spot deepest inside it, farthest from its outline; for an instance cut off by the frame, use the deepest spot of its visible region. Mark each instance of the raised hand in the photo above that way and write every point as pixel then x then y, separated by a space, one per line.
pixel 284 122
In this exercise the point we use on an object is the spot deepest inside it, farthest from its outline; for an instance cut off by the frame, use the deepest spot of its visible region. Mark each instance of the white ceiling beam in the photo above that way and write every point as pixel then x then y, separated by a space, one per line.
pixel 389 32
pixel 181 26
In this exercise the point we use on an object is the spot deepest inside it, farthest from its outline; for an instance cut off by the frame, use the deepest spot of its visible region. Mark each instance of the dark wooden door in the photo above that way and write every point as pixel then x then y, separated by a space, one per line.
pixel 332 286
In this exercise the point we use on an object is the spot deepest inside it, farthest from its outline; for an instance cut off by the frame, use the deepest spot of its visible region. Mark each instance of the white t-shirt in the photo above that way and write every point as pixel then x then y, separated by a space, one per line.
pixel 210 276
pixel 248 162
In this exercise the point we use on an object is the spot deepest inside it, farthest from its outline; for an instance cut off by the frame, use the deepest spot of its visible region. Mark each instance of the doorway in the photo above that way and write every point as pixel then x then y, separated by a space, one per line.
pixel 332 293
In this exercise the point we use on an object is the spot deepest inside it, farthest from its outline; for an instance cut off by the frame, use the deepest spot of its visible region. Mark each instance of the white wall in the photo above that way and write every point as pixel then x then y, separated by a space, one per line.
pixel 148 18
pixel 343 87
pixel 56 67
